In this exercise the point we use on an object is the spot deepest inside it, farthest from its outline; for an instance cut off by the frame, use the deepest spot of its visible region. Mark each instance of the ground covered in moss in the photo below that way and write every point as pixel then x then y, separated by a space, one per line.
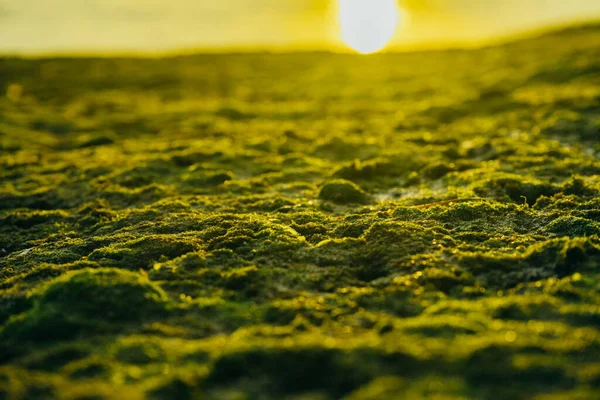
pixel 303 226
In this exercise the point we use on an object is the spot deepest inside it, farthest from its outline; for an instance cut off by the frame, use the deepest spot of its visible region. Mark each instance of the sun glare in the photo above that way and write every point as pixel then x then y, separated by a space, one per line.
pixel 368 25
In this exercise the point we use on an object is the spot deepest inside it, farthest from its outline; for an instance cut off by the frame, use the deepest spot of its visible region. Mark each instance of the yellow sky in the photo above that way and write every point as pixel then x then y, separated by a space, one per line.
pixel 33 26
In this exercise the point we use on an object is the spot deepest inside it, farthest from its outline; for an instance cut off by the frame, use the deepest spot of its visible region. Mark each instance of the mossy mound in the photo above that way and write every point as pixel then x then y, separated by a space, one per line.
pixel 94 300
pixel 343 192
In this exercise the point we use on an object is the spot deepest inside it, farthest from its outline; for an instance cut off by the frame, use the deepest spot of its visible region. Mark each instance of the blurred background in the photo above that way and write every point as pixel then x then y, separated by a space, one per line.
pixel 65 26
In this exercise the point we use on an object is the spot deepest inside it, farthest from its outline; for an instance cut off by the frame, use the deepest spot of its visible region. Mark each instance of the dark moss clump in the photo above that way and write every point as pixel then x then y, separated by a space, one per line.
pixel 517 190
pixel 337 148
pixel 575 125
pixel 376 169
pixel 12 303
pixel 496 365
pixel 86 370
pixel 307 370
pixel 204 179
pixel 438 170
pixel 173 389
pixel 343 192
pixel 558 257
pixel 100 140
pixel 93 301
pixel 444 280
pixel 573 227
pixel 140 353
pixel 57 357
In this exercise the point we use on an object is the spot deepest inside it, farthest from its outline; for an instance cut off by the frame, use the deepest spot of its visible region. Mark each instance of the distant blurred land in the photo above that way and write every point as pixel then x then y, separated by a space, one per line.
pixel 303 226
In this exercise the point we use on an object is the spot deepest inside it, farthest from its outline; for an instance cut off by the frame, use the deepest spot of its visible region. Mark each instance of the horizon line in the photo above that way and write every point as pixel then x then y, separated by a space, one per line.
pixel 414 48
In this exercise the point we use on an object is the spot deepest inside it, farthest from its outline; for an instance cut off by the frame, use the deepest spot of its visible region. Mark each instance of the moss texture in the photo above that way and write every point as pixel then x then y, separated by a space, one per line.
pixel 303 226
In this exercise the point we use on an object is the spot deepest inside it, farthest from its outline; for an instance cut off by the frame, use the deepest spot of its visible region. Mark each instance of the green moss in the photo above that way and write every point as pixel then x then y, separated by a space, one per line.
pixel 587 128
pixel 141 253
pixel 210 179
pixel 87 301
pixel 293 371
pixel 56 357
pixel 501 367
pixel 444 327
pixel 26 219
pixel 573 227
pixel 337 148
pixel 140 352
pixel 12 303
pixel 438 170
pixel 333 235
pixel 174 389
pixel 343 192
pixel 376 169
pixel 517 190
pixel 88 370
pixel 444 280
pixel 250 237
pixel 95 141
pixel 241 278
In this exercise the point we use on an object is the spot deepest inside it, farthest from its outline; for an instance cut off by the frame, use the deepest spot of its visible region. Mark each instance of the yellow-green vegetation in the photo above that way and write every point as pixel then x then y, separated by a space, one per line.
pixel 303 226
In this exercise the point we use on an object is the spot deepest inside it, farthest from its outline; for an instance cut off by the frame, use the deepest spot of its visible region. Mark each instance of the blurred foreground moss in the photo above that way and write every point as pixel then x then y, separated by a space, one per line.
pixel 303 226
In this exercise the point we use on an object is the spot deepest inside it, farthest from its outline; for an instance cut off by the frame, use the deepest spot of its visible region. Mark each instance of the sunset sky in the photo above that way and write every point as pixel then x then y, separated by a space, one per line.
pixel 34 26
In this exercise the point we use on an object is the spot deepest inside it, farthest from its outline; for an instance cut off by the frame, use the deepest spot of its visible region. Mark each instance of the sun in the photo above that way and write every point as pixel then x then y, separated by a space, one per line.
pixel 368 25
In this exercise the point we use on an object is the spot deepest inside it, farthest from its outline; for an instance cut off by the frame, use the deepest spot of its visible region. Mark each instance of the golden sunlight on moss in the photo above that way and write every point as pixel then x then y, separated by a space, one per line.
pixel 368 26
